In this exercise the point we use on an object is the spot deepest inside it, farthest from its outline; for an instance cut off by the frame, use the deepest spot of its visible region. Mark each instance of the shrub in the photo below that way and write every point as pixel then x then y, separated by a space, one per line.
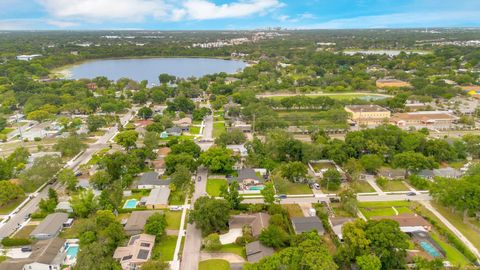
pixel 381 181
pixel 212 242
pixel 37 139
pixel 11 242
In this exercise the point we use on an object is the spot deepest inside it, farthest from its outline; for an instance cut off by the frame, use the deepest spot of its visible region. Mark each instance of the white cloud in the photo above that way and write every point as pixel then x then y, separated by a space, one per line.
pixel 62 24
pixel 97 11
pixel 206 10
pixel 20 24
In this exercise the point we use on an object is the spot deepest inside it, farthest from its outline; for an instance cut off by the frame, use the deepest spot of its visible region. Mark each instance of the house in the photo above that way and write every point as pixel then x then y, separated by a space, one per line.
pixel 247 177
pixel 163 152
pixel 24 57
pixel 427 174
pixel 238 149
pixel 368 114
pixel 138 250
pixel 158 198
pixel 50 227
pixel 164 135
pixel 150 180
pixel 409 222
pixel 256 251
pixel 421 119
pixel 337 225
pixel 183 123
pixel 230 80
pixel 307 224
pixel 257 222
pixel 319 167
pixel 387 83
pixel 448 172
pixel 92 86
pixel 137 220
pixel 244 127
pixel 391 174
pixel 174 131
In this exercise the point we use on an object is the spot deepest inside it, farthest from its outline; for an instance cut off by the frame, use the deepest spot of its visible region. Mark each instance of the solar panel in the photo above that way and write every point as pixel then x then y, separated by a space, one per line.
pixel 143 254
pixel 127 257
pixel 145 244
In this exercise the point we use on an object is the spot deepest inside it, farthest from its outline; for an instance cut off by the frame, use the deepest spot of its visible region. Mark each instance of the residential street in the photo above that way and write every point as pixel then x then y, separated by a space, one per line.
pixel 31 206
pixel 366 198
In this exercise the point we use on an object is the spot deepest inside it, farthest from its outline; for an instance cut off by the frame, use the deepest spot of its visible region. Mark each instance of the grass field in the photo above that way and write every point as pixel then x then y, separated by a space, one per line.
pixel 218 128
pixel 5 131
pixel 339 211
pixel 194 130
pixel 287 187
pixel 177 197
pixel 73 231
pixel 294 210
pixel 233 248
pixel 214 185
pixel 453 255
pixel 10 206
pixel 173 219
pixel 165 248
pixel 25 232
pixel 396 185
pixel 363 186
pixel 214 264
pixel 384 209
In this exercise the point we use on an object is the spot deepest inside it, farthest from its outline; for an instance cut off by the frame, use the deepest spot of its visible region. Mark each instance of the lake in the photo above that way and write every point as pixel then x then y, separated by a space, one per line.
pixel 149 68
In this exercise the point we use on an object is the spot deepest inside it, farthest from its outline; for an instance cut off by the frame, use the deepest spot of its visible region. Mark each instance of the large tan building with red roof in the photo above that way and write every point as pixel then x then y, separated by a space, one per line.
pixel 428 119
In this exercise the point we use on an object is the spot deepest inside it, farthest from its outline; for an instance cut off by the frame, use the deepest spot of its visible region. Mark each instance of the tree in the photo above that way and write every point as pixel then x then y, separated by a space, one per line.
pixel 48 205
pixel 231 194
pixel 95 122
pixel 294 171
pixel 412 161
pixel 354 168
pixel 3 123
pixel 70 146
pixel 67 177
pixel 151 140
pixel 332 179
pixel 101 179
pixel 186 146
pixel 181 177
pixel 218 159
pixel 369 262
pixel 39 115
pixel 42 170
pixel 274 236
pixel 127 139
pixel 184 159
pixel 181 104
pixel 156 225
pixel 84 204
pixel 371 163
pixel 145 112
pixel 268 193
pixel 348 200
pixel 235 136
pixel 210 215
pixel 166 78
pixel 9 191
pixel 212 242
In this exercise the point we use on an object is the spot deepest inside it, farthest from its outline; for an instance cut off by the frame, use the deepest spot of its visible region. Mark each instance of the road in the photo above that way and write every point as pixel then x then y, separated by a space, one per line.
pixel 31 206
pixel 193 239
pixel 371 198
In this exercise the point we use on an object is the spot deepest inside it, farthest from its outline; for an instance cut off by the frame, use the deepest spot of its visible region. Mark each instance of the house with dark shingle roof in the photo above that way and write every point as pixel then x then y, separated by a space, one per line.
pixel 150 180
pixel 307 224
pixel 50 227
pixel 257 222
pixel 256 251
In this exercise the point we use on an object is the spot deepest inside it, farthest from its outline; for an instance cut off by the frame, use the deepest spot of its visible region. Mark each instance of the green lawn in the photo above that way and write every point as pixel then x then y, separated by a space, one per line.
pixel 174 219
pixel 214 264
pixel 25 231
pixel 363 187
pixel 454 256
pixel 339 211
pixel 233 248
pixel 214 185
pixel 73 231
pixel 218 128
pixel 10 206
pixel 194 130
pixel 165 248
pixel 287 187
pixel 396 185
pixel 5 131
pixel 177 197
pixel 457 221
pixel 384 209
pixel 293 210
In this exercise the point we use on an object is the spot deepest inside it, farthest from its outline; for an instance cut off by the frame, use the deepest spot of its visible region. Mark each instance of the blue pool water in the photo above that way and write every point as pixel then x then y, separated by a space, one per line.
pixel 129 204
pixel 430 249
pixel 72 252
pixel 256 188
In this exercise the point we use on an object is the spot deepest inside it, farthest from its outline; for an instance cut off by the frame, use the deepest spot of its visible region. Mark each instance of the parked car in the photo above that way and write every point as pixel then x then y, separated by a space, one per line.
pixel 316 186
pixel 27 216
pixel 281 196
pixel 175 208
pixel 26 249
pixel 411 193
pixel 199 179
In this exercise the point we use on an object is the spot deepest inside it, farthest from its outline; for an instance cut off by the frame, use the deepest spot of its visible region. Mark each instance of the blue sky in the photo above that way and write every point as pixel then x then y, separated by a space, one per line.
pixel 236 14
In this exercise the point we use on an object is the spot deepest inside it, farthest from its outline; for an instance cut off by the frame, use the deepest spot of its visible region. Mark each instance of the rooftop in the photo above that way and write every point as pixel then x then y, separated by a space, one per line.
pixel 366 108
pixel 407 220
pixel 257 222
pixel 137 220
pixel 158 195
pixel 255 251
pixel 307 224
pixel 138 250
pixel 50 225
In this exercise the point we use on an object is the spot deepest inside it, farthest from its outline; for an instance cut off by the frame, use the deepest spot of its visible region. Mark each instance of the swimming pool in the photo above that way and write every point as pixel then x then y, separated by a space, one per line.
pixel 72 252
pixel 130 204
pixel 430 249
pixel 256 188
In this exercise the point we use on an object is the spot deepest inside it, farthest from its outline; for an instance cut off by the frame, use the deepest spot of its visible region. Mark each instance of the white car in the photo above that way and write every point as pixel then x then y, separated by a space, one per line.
pixel 175 208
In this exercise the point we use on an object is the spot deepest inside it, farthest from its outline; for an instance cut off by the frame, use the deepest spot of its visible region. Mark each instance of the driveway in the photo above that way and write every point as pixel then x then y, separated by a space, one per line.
pixel 229 257
pixel 231 236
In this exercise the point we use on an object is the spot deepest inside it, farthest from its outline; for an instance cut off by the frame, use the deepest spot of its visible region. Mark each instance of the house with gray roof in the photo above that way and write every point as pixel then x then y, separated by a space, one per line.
pixel 50 227
pixel 151 180
pixel 307 224
pixel 158 198
pixel 256 251
pixel 174 131
pixel 137 220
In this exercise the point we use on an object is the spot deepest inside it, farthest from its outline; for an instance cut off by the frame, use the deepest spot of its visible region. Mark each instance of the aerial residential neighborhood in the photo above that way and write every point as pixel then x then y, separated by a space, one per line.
pixel 229 135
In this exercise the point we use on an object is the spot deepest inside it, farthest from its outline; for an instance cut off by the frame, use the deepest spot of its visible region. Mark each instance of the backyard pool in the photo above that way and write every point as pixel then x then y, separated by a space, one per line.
pixel 72 252
pixel 430 249
pixel 130 204
pixel 256 188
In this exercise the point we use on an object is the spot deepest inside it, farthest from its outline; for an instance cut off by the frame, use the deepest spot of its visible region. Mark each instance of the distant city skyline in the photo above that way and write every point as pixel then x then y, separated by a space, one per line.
pixel 236 14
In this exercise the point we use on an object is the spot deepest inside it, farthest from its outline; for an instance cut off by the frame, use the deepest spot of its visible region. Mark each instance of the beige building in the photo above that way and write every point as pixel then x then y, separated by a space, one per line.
pixel 138 250
pixel 386 83
pixel 427 119
pixel 368 114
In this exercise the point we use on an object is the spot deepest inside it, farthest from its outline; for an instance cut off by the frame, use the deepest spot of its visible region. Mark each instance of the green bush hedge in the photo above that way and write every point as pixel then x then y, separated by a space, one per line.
pixel 11 242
